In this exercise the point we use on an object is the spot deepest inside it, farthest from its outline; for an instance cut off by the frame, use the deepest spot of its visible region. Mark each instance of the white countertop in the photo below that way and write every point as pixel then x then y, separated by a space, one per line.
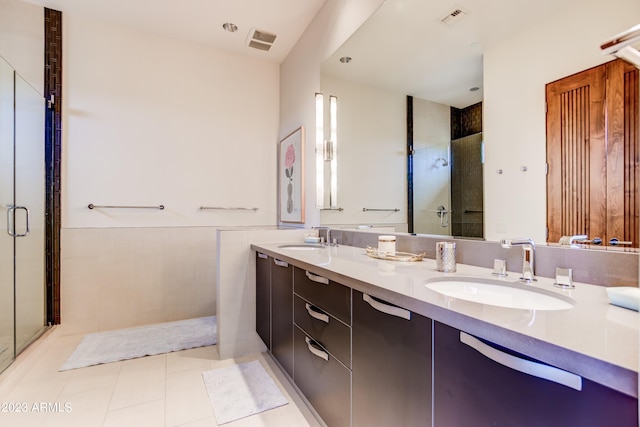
pixel 593 339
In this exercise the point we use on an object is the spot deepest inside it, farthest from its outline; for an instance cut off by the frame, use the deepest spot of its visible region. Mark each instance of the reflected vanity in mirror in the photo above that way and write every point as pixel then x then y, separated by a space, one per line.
pixel 435 55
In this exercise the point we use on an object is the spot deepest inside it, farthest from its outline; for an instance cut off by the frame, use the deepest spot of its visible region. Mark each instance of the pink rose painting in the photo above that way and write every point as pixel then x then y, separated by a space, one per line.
pixel 289 160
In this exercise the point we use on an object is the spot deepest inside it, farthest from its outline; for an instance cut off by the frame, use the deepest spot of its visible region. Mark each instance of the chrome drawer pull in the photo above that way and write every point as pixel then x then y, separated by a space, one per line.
pixel 387 309
pixel 312 346
pixel 529 367
pixel 317 279
pixel 280 263
pixel 261 255
pixel 315 314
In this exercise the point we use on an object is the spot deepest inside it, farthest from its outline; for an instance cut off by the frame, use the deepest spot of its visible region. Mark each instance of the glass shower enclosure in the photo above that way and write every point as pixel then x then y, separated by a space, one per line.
pixel 22 214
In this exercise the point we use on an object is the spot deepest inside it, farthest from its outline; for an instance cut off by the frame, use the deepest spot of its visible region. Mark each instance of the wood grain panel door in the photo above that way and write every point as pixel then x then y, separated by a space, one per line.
pixel 592 154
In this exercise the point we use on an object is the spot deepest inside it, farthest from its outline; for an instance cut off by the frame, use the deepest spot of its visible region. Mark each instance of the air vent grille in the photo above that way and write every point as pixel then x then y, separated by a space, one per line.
pixel 453 17
pixel 261 40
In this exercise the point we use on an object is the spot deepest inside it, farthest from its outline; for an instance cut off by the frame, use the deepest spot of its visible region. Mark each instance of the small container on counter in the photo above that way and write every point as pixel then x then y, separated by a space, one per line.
pixel 446 257
pixel 387 245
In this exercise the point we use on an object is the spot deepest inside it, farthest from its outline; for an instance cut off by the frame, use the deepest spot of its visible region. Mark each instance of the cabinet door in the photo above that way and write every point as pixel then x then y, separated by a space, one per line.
pixel 324 381
pixel 263 298
pixel 471 389
pixel 391 365
pixel 282 314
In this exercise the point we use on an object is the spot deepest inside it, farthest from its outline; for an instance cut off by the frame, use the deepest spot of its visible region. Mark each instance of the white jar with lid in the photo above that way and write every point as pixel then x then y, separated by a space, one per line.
pixel 387 245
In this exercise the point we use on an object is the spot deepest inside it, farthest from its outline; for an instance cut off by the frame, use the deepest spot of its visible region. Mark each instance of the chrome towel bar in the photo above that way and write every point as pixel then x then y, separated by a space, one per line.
pixel 92 206
pixel 221 208
pixel 380 210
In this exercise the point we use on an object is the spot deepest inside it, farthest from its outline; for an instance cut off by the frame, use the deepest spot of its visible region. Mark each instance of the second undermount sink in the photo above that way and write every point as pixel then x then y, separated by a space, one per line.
pixel 499 293
pixel 301 247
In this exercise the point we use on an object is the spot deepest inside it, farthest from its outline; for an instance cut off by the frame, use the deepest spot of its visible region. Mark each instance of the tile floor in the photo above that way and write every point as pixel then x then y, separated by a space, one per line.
pixel 164 390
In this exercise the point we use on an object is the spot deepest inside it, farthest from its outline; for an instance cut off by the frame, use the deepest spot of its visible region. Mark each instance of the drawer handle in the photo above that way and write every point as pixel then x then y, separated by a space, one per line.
pixel 313 348
pixel 317 279
pixel 313 312
pixel 386 308
pixel 280 263
pixel 261 255
pixel 529 367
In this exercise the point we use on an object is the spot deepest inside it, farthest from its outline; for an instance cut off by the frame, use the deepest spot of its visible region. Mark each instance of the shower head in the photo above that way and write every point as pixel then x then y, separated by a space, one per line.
pixel 443 160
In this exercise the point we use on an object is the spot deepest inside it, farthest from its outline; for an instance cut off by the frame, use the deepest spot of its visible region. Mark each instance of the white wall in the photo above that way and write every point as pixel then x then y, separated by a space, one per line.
pixel 515 75
pixel 151 120
pixel 22 40
pixel 300 76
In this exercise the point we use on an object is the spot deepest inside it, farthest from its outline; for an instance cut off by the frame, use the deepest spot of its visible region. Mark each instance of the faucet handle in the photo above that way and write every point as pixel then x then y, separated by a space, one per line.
pixel 499 268
pixel 564 278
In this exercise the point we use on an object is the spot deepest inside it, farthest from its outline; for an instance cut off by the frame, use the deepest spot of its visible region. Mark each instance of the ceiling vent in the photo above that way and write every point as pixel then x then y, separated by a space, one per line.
pixel 260 39
pixel 453 17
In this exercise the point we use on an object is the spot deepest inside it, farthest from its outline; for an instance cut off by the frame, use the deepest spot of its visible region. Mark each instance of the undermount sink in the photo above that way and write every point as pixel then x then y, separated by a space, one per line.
pixel 499 293
pixel 301 247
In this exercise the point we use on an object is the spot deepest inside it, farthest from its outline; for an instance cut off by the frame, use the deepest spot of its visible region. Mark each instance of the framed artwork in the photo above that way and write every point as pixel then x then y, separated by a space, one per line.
pixel 291 177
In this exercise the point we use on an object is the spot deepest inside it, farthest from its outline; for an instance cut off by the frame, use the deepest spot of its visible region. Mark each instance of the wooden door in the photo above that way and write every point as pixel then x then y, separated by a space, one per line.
pixel 592 154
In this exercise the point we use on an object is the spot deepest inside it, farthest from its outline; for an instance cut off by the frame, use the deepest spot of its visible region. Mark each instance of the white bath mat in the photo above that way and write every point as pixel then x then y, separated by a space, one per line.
pixel 130 343
pixel 241 390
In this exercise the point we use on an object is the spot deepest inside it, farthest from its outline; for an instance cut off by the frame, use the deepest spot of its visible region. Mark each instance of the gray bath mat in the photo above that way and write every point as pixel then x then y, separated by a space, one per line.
pixel 130 343
pixel 241 390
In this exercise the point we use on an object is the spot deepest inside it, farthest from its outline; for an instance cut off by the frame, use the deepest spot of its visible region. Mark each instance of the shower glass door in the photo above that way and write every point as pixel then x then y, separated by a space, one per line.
pixel 28 214
pixel 22 197
pixel 7 342
pixel 432 190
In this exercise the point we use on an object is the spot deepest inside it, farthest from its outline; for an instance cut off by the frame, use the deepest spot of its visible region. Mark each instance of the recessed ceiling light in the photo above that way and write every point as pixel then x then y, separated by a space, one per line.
pixel 345 59
pixel 228 26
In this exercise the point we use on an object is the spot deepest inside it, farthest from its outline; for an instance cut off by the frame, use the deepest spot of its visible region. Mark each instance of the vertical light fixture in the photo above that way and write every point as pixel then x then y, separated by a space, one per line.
pixel 333 117
pixel 319 150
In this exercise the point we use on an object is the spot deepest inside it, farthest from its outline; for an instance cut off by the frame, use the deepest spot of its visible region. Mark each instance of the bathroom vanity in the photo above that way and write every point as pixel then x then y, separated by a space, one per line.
pixel 368 343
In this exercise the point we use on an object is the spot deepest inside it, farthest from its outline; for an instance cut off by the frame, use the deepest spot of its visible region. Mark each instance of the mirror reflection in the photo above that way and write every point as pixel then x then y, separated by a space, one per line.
pixel 506 53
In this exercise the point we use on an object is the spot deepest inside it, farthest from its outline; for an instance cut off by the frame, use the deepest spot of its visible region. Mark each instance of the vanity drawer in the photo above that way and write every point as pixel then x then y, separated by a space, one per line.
pixel 325 294
pixel 331 333
pixel 323 380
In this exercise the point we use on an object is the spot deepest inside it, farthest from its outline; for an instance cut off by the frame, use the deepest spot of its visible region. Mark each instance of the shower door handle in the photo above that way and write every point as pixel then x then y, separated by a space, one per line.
pixel 11 221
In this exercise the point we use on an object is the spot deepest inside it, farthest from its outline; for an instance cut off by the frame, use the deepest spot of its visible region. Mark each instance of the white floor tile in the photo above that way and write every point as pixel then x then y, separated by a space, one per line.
pixel 156 391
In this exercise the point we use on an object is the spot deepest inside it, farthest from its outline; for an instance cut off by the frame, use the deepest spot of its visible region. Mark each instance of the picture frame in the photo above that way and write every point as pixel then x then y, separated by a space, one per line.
pixel 291 194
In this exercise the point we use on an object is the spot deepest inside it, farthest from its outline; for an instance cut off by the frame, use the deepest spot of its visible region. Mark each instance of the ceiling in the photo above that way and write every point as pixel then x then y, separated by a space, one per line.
pixel 200 21
pixel 405 47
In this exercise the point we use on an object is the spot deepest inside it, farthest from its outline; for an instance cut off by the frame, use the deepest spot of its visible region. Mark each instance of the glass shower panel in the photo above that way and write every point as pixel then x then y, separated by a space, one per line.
pixel 29 220
pixel 7 345
pixel 431 190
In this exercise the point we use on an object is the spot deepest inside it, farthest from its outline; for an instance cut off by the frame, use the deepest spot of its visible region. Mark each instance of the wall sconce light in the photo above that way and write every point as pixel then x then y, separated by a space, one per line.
pixel 326 152
pixel 333 116
pixel 319 150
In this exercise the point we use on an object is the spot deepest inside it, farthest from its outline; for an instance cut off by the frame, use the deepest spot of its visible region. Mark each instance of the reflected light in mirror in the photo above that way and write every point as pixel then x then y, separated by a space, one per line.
pixel 333 109
pixel 319 150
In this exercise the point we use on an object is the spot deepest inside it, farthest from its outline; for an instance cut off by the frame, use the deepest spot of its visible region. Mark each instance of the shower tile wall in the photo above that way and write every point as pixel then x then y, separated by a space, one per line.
pixel 467 201
pixel 466 121
pixel 53 146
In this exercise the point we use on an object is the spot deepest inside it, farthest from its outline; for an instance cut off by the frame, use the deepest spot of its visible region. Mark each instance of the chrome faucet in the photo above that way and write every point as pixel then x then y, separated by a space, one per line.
pixel 327 235
pixel 528 255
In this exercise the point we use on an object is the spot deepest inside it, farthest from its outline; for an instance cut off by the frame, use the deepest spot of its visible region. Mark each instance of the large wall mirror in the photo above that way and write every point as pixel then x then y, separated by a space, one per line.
pixel 432 64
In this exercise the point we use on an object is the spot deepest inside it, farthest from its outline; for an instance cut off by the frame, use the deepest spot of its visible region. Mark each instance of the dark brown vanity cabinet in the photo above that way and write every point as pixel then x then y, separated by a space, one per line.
pixel 391 365
pixel 282 314
pixel 477 383
pixel 263 298
pixel 322 345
